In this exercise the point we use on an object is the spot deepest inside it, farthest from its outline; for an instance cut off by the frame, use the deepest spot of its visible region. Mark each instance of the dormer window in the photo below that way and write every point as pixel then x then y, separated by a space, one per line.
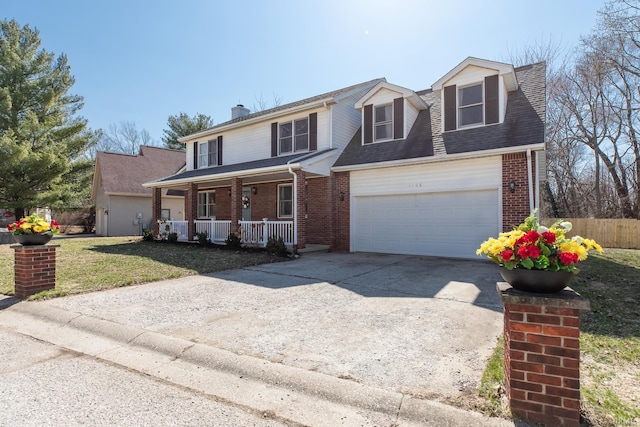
pixel 294 136
pixel 383 122
pixel 470 105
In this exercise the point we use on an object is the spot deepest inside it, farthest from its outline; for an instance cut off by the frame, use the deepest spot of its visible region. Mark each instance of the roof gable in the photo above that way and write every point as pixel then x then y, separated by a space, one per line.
pixel 124 173
pixel 408 94
pixel 505 70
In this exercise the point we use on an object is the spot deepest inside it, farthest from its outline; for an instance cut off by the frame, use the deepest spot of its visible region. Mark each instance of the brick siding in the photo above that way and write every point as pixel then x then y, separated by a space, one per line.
pixel 515 206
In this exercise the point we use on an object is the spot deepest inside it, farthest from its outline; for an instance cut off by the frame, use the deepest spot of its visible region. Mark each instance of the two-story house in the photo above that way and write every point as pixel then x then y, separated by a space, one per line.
pixel 374 167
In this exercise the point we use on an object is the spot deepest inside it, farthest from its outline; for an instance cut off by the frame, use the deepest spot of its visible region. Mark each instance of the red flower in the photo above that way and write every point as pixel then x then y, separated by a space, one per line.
pixel 529 237
pixel 549 237
pixel 506 255
pixel 527 251
pixel 568 258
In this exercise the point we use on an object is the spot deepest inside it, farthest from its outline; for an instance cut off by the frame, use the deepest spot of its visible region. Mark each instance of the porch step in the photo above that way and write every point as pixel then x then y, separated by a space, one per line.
pixel 314 248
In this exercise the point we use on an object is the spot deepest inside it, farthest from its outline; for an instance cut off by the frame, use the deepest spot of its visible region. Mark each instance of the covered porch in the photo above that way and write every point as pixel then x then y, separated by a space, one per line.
pixel 288 199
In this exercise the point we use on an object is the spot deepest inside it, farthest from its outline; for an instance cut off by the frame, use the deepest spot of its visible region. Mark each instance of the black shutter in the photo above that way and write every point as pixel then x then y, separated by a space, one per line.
pixel 398 118
pixel 195 155
pixel 313 131
pixel 491 101
pixel 274 139
pixel 220 150
pixel 368 124
pixel 450 108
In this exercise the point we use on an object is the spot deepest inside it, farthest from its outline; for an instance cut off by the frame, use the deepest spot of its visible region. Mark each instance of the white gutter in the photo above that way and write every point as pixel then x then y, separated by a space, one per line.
pixel 279 168
pixel 440 158
pixel 295 204
pixel 530 179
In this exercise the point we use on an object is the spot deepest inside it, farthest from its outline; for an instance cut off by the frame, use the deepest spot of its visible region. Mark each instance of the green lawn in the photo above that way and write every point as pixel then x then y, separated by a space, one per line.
pixel 609 343
pixel 86 264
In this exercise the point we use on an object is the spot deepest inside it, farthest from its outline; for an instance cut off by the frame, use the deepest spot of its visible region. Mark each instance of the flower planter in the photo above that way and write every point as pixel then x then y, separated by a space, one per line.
pixel 32 239
pixel 539 281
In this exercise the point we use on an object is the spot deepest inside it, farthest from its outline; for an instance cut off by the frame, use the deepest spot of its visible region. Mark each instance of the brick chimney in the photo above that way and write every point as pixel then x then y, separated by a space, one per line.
pixel 239 111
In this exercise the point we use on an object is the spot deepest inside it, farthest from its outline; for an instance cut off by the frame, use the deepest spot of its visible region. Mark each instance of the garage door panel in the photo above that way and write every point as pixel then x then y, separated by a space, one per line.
pixel 434 224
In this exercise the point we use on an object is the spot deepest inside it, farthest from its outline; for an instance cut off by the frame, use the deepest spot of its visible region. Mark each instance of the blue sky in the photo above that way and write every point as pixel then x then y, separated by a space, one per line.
pixel 141 61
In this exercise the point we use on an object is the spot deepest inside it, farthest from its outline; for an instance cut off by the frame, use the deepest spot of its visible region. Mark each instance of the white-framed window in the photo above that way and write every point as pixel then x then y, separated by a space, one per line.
pixel 285 201
pixel 294 136
pixel 471 105
pixel 208 153
pixel 165 214
pixel 206 204
pixel 383 122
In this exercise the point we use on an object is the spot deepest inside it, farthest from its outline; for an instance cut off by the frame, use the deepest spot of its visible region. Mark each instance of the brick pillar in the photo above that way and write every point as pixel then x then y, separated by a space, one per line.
pixel 302 209
pixel 156 209
pixel 35 269
pixel 542 354
pixel 236 203
pixel 191 209
pixel 341 197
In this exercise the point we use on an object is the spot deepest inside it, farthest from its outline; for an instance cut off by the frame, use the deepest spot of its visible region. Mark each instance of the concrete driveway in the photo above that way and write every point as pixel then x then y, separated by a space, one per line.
pixel 415 325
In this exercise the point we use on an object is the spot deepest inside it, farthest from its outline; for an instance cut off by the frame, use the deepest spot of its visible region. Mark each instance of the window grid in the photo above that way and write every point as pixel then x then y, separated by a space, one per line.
pixel 294 136
pixel 383 122
pixel 471 105
pixel 285 201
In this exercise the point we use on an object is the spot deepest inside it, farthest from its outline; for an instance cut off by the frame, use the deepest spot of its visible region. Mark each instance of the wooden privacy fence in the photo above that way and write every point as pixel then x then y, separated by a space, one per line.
pixel 609 233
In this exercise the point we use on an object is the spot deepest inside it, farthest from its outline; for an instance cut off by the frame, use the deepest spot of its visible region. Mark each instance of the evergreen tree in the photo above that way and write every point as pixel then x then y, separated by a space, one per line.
pixel 41 137
pixel 183 125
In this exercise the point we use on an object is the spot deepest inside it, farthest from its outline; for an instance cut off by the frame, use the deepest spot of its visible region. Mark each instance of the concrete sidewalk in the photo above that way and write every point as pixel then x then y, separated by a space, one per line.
pixel 329 339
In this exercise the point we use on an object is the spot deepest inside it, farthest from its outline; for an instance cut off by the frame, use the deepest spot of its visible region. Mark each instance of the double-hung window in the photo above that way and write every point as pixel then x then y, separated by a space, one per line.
pixel 206 204
pixel 294 136
pixel 285 201
pixel 383 122
pixel 208 153
pixel 470 105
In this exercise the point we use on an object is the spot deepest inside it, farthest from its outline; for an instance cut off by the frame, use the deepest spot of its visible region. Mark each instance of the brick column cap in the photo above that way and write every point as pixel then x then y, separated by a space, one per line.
pixel 567 298
pixel 27 247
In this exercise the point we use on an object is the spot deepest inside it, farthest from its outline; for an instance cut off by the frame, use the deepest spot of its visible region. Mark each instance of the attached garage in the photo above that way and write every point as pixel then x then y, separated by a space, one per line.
pixel 434 209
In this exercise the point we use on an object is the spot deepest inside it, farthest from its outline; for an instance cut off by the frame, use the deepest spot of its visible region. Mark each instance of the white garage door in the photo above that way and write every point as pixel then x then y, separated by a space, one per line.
pixel 451 224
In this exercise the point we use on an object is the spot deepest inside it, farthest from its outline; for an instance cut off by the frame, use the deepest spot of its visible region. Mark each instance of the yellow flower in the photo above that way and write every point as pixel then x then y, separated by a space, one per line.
pixel 38 229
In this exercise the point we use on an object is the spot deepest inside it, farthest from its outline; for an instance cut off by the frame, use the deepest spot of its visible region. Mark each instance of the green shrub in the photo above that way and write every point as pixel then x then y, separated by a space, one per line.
pixel 276 246
pixel 233 242
pixel 172 237
pixel 147 235
pixel 203 238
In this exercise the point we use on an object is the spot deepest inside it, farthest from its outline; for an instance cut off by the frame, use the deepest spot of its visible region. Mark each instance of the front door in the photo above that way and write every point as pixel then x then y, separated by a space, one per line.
pixel 246 204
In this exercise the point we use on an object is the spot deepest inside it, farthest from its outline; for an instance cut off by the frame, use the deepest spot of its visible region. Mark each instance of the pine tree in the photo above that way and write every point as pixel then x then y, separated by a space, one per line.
pixel 183 125
pixel 41 136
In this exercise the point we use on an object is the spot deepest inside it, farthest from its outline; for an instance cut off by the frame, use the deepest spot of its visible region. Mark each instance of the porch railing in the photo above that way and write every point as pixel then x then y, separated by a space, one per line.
pixel 256 233
pixel 217 231
pixel 178 227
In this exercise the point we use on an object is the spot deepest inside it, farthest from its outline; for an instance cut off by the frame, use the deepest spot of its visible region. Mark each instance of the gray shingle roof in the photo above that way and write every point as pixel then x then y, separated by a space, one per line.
pixel 301 102
pixel 246 166
pixel 523 125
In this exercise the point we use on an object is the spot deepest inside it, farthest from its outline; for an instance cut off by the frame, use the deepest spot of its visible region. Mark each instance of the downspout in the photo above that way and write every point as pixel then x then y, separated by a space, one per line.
pixel 295 204
pixel 537 179
pixel 530 178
